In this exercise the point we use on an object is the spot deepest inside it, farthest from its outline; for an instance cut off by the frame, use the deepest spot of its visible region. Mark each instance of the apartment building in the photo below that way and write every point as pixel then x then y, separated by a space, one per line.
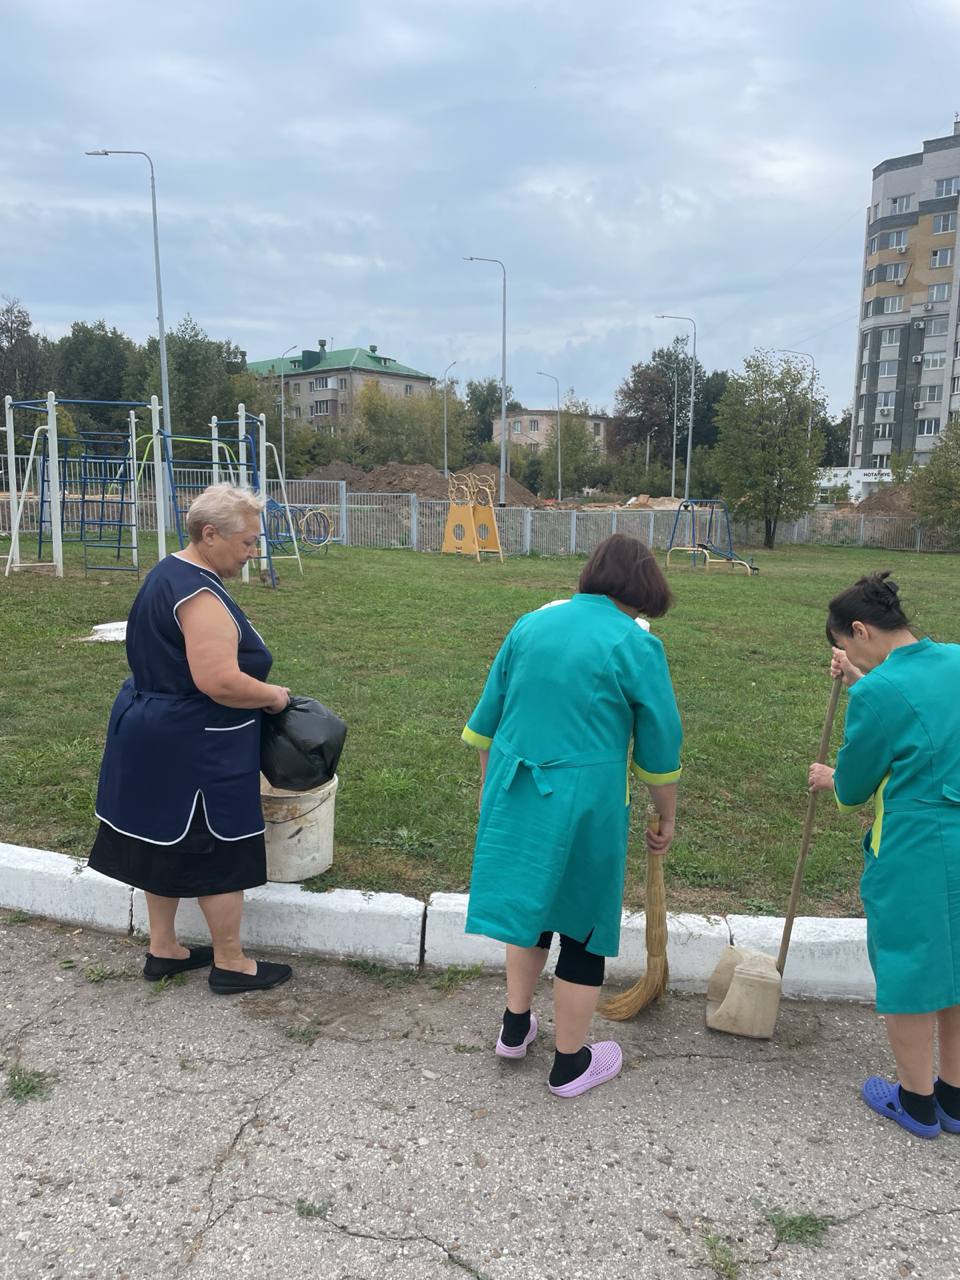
pixel 532 427
pixel 908 365
pixel 321 386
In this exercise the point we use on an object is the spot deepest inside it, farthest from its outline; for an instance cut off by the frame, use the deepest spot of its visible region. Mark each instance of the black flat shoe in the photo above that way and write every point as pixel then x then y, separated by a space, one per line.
pixel 159 967
pixel 229 982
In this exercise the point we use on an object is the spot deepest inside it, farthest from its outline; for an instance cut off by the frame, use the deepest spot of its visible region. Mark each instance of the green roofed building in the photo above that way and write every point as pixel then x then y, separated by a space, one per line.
pixel 321 386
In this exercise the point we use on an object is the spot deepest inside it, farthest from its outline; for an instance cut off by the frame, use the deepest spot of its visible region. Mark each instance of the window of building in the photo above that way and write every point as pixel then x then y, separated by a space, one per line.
pixel 873 244
pixel 876 211
pixel 896 271
pixel 947 187
pixel 937 327
pixel 889 337
pixel 534 424
pixel 861 401
pixel 866 340
pixel 955 386
pixel 342 384
pixel 294 364
pixel 883 431
pixel 517 428
pixel 319 384
pixel 892 304
pixel 944 222
pixel 859 434
pixel 596 428
pixel 956 351
pixel 407 389
pixel 900 204
pixel 321 408
pixel 931 395
pixel 863 371
pixel 938 292
pixel 941 257
pixel 295 410
pixel 928 426
pixel 897 240
pixel 886 399
pixel 295 390
pixel 887 369
pixel 878 460
pixel 935 360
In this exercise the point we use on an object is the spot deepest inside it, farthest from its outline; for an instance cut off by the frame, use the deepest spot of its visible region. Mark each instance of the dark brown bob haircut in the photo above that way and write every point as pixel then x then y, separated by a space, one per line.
pixel 624 569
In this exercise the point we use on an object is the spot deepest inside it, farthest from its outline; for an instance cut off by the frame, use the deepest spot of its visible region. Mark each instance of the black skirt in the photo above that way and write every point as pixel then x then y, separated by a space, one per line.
pixel 195 867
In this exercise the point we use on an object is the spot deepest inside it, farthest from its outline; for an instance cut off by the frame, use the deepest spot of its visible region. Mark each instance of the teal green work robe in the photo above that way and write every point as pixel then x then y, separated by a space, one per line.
pixel 569 688
pixel 901 750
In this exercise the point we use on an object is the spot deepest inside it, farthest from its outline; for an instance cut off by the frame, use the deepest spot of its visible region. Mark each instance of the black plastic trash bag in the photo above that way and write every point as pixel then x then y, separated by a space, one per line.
pixel 300 748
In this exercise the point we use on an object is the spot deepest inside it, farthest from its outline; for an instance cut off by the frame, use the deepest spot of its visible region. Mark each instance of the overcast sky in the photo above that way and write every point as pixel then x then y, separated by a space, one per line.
pixel 322 169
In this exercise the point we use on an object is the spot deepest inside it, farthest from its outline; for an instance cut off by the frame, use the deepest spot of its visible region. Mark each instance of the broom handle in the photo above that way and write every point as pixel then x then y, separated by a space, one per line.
pixel 656 891
pixel 807 829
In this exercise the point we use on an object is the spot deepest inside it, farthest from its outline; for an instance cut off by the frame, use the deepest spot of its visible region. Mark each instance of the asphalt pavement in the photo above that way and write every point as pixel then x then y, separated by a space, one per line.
pixel 353 1125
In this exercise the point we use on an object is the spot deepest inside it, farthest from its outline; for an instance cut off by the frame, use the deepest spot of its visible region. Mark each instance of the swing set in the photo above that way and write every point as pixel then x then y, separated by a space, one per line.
pixel 91 490
pixel 702 531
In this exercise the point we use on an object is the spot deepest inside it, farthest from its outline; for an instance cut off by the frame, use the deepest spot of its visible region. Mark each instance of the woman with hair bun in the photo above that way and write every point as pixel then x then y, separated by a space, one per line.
pixel 901 750
pixel 570 687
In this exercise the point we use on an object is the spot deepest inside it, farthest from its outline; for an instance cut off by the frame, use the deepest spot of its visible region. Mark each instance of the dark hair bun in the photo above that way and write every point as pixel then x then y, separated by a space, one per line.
pixel 881 590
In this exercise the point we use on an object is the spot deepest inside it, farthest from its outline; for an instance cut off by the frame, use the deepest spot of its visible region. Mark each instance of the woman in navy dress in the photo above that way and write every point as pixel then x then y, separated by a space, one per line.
pixel 179 793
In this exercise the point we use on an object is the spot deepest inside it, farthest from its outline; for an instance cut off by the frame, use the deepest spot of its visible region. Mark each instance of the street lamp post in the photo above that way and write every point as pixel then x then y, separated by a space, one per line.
pixel 676 399
pixel 446 469
pixel 693 387
pixel 540 374
pixel 164 381
pixel 283 421
pixel 503 381
pixel 785 351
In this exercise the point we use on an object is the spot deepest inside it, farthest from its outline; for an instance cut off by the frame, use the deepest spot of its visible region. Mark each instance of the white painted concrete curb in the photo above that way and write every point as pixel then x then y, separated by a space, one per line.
pixel 828 958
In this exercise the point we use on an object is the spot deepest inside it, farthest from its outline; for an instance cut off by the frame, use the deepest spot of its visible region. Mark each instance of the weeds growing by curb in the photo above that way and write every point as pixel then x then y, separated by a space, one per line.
pixel 455 976
pixel 24 1085
pixel 799 1228
pixel 387 977
pixel 720 1258
pixel 164 984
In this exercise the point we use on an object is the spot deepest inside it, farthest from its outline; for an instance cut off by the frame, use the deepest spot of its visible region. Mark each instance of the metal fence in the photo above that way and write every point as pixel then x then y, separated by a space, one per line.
pixel 401 520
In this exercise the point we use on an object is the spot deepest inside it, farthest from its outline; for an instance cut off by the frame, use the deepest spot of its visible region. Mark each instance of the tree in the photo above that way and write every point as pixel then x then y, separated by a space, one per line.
pixel 578 452
pixel 199 369
pixel 391 428
pixel 836 436
pixel 24 360
pixel 483 402
pixel 935 488
pixel 767 467
pixel 91 362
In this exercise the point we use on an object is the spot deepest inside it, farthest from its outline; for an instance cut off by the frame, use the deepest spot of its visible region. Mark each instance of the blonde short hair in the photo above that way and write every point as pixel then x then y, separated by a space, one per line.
pixel 224 506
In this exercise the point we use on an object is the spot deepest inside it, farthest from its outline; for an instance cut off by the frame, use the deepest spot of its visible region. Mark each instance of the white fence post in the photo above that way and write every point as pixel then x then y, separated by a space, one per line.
pixel 527 529
pixel 344 515
pixel 652 519
pixel 414 522
pixel 613 523
pixel 573 532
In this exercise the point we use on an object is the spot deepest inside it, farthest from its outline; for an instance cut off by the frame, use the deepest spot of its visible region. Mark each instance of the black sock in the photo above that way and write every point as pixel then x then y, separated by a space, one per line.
pixel 948 1095
pixel 516 1028
pixel 567 1066
pixel 918 1106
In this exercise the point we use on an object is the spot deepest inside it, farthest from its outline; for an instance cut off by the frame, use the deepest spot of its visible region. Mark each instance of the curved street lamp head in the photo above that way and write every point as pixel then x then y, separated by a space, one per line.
pixel 101 152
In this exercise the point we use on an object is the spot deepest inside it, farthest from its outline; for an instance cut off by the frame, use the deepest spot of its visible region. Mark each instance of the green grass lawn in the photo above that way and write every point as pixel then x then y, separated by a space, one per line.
pixel 399 643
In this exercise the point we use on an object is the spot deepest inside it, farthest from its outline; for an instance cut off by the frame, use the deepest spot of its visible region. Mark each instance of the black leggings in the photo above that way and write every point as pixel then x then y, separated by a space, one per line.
pixel 575 963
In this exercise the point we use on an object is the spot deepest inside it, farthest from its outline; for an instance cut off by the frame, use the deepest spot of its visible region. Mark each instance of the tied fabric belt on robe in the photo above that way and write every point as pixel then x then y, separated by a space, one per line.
pixel 537 768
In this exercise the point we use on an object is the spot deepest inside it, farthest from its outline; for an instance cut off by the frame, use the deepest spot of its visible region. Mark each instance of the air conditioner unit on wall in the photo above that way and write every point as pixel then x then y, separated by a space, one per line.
pixel 918 359
pixel 918 404
pixel 885 413
pixel 901 248
pixel 928 306
pixel 919 324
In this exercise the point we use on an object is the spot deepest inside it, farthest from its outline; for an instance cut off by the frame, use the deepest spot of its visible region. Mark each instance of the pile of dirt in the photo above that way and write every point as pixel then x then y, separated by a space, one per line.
pixel 644 502
pixel 419 478
pixel 889 500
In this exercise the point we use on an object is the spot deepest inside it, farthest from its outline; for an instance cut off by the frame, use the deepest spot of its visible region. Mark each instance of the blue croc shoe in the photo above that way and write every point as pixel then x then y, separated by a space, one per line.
pixel 947 1123
pixel 883 1096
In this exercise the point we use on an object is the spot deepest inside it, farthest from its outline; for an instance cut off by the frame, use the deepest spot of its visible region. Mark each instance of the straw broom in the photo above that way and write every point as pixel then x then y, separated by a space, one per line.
pixel 654 982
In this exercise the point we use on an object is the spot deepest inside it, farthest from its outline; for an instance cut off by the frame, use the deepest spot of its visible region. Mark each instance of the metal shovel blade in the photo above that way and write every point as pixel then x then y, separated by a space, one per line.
pixel 743 995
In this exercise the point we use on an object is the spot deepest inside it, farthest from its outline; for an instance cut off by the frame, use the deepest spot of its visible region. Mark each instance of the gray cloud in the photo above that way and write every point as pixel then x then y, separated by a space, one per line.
pixel 322 172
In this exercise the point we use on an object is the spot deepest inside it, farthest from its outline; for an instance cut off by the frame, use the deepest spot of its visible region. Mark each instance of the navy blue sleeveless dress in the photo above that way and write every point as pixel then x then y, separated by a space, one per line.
pixel 179 792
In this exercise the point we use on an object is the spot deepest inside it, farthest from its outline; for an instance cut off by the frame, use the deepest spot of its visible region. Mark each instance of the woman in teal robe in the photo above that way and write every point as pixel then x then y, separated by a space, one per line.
pixel 570 687
pixel 901 750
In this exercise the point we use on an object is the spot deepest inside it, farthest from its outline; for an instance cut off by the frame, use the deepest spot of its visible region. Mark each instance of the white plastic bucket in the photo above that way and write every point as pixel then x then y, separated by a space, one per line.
pixel 299 830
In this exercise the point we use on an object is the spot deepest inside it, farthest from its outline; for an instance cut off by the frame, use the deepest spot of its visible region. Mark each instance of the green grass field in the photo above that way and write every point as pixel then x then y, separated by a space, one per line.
pixel 399 643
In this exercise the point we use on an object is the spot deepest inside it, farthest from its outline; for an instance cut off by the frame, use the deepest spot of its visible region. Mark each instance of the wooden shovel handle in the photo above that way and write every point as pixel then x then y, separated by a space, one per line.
pixel 808 829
